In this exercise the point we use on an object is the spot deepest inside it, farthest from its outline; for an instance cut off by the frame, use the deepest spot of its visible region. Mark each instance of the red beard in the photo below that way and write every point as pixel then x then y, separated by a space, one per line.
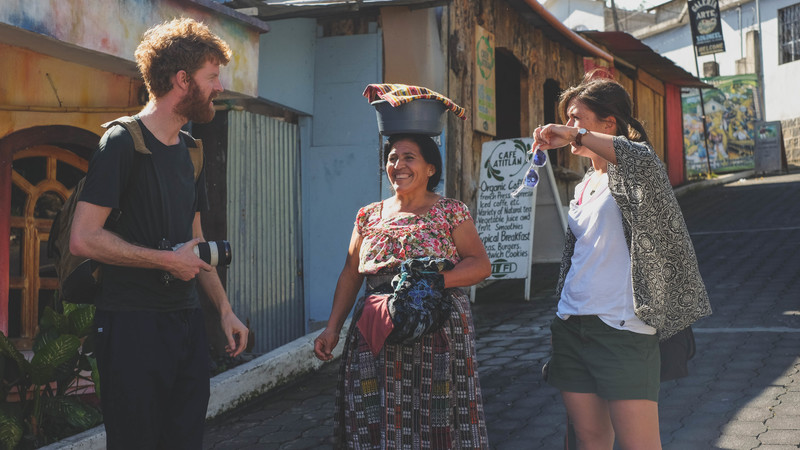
pixel 195 107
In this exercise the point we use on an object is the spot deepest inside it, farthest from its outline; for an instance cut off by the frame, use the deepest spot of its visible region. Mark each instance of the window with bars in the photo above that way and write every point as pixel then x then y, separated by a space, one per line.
pixel 789 37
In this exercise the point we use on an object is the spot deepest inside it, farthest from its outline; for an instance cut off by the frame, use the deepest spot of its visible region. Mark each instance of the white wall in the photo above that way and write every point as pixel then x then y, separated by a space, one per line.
pixel 676 44
pixel 578 14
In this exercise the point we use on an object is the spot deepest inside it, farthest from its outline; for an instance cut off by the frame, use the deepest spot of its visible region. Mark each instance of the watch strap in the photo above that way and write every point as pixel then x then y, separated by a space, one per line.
pixel 579 136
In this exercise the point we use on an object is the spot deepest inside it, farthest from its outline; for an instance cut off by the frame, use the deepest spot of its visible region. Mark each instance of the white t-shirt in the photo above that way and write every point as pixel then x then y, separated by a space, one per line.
pixel 599 279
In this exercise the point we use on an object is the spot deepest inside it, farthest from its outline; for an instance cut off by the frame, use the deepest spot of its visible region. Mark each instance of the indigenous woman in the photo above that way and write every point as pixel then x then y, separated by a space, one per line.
pixel 424 394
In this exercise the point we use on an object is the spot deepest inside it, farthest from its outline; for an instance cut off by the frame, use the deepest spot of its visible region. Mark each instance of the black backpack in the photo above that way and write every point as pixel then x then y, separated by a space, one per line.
pixel 79 278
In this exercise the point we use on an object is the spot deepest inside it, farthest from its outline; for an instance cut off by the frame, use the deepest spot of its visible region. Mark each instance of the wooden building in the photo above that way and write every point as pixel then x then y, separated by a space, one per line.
pixel 536 58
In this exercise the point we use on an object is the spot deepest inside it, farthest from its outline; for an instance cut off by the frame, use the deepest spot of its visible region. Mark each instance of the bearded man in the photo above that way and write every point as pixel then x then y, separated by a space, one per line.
pixel 151 345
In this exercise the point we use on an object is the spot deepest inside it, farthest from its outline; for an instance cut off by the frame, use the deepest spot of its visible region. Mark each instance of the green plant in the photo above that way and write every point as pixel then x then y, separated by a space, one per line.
pixel 47 408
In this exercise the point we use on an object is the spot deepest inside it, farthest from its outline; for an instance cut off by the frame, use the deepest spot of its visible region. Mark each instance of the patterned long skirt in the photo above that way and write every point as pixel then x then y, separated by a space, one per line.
pixel 420 396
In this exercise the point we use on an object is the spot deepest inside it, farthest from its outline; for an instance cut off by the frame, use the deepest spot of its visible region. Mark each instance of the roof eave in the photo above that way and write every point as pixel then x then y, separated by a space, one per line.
pixel 633 52
pixel 329 9
pixel 219 8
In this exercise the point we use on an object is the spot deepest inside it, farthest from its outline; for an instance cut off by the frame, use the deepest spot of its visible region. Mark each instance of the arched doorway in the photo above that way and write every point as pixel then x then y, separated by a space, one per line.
pixel 43 165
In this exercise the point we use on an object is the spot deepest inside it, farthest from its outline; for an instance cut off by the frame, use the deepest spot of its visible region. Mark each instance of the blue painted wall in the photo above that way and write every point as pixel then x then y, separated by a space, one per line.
pixel 340 161
pixel 286 64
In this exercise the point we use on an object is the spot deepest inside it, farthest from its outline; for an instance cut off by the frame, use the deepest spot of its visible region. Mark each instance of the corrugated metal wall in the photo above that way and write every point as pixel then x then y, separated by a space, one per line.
pixel 263 176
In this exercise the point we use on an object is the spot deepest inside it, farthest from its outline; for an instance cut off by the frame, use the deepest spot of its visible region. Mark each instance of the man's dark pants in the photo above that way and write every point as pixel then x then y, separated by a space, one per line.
pixel 154 378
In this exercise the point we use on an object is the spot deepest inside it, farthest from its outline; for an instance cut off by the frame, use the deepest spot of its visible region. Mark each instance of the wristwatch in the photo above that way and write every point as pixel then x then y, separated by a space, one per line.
pixel 579 136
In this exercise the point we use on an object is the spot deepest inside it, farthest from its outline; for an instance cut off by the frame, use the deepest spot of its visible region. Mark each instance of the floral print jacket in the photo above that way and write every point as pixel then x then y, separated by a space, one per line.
pixel 668 292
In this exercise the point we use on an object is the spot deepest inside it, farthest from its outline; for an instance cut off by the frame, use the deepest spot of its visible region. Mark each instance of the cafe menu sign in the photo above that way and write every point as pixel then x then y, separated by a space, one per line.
pixel 504 222
pixel 706 25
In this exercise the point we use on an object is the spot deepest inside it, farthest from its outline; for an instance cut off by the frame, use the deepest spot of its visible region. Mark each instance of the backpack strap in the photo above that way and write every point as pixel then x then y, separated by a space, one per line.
pixel 135 131
pixel 132 125
pixel 196 154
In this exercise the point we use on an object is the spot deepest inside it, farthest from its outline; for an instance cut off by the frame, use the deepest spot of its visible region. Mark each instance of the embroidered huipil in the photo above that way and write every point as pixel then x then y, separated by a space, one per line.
pixel 388 242
pixel 424 395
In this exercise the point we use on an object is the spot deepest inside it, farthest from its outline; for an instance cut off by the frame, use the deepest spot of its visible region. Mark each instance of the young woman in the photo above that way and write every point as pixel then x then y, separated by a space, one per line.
pixel 629 275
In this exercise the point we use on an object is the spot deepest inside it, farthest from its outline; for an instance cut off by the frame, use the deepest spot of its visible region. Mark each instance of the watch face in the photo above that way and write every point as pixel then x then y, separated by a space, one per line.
pixel 582 131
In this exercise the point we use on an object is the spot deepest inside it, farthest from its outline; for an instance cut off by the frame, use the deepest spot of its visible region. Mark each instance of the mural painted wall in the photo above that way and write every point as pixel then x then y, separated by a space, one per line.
pixel 115 28
pixel 731 115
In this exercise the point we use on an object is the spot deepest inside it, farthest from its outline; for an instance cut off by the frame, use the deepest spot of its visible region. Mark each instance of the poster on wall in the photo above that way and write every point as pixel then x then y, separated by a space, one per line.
pixel 731 115
pixel 706 24
pixel 484 117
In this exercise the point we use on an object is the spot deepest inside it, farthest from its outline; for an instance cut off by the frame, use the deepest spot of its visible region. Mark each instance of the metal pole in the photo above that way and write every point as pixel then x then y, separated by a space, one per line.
pixel 760 68
pixel 614 15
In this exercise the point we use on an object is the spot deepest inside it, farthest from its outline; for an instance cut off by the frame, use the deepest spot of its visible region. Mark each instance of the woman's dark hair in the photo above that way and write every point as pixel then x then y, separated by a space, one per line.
pixel 428 149
pixel 605 98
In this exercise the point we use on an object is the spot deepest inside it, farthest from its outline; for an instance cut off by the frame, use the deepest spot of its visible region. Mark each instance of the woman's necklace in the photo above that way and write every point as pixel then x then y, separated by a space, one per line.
pixel 596 179
pixel 594 182
pixel 594 188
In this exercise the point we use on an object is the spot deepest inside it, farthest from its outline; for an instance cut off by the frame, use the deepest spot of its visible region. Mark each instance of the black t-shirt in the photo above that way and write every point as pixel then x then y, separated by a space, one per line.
pixel 160 202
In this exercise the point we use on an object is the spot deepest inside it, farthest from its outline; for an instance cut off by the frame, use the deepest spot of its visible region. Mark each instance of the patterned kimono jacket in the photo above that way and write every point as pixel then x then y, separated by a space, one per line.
pixel 668 292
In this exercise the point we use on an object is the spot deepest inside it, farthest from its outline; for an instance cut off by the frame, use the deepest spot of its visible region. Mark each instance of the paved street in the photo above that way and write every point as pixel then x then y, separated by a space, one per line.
pixel 743 391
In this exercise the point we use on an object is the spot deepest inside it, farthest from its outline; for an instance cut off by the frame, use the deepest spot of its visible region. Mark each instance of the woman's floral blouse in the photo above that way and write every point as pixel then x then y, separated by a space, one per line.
pixel 388 242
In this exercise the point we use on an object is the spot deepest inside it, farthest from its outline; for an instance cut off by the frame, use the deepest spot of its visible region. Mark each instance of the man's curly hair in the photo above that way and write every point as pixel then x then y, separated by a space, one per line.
pixel 180 44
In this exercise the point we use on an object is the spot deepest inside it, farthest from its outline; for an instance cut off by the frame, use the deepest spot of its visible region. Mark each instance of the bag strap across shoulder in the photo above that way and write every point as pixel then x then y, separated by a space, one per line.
pixel 196 154
pixel 135 131
pixel 132 125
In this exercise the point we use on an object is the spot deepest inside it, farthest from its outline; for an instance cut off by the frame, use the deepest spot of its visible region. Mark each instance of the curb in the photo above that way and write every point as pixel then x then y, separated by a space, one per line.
pixel 724 179
pixel 244 383
pixel 238 386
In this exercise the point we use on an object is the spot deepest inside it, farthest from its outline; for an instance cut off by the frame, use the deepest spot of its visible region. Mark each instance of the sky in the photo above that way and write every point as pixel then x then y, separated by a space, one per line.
pixel 635 4
pixel 632 4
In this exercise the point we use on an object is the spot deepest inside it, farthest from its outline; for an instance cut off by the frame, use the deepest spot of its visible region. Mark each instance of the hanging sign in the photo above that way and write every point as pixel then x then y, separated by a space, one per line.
pixel 484 117
pixel 706 25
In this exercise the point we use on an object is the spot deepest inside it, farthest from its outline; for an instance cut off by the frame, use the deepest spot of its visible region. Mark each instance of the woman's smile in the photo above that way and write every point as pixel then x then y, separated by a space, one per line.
pixel 406 167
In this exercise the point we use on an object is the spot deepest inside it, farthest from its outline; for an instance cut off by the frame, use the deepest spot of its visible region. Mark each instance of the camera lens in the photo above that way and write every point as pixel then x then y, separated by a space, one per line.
pixel 224 252
pixel 214 253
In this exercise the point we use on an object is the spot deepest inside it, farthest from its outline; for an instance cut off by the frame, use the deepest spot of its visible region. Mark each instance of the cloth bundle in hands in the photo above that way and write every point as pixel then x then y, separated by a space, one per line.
pixel 419 304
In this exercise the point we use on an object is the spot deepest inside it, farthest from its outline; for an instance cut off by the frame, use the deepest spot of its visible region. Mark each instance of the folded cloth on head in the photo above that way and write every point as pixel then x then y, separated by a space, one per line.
pixel 398 94
pixel 375 323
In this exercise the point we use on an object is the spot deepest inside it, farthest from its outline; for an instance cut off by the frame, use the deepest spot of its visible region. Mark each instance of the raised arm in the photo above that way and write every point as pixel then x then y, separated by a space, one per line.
pixel 557 136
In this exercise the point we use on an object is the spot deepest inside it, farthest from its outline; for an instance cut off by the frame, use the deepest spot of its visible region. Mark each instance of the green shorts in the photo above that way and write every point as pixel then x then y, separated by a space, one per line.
pixel 592 357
